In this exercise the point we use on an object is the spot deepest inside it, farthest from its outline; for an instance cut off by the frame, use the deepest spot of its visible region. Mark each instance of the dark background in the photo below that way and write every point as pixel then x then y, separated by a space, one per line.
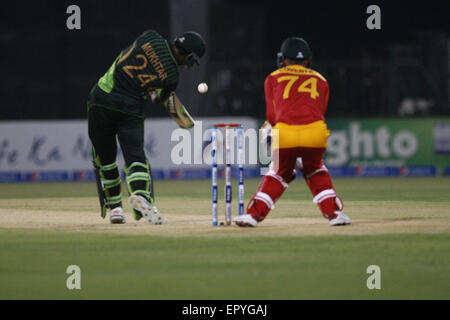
pixel 48 70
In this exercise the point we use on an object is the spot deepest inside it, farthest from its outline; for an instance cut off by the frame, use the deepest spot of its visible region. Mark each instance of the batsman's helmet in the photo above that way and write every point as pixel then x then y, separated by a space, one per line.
pixel 293 48
pixel 192 45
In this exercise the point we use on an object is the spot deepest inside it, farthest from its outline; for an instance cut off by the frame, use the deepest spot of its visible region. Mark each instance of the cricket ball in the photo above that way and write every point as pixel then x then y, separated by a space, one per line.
pixel 202 88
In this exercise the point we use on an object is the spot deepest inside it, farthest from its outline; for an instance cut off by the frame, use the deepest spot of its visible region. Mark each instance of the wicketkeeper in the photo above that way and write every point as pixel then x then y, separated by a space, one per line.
pixel 148 67
pixel 296 101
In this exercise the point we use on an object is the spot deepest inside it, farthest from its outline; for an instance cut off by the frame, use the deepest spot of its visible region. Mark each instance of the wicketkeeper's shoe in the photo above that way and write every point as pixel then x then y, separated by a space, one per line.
pixel 117 216
pixel 245 220
pixel 340 219
pixel 146 209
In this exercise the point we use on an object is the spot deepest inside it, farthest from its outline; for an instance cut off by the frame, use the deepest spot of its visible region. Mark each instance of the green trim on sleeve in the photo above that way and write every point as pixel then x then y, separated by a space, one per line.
pixel 106 83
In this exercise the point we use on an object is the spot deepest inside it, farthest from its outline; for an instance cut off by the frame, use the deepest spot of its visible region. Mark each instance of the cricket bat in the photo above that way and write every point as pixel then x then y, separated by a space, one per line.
pixel 178 112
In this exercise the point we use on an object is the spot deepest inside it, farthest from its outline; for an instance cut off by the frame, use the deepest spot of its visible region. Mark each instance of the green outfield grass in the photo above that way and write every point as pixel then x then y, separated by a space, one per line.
pixel 353 189
pixel 246 265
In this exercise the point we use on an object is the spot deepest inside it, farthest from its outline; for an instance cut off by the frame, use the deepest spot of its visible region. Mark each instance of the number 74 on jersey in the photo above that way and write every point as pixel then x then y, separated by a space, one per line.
pixel 307 86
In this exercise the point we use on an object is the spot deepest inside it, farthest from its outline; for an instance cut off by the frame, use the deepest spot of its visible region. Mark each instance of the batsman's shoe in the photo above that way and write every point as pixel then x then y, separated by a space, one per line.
pixel 117 216
pixel 245 220
pixel 146 209
pixel 340 219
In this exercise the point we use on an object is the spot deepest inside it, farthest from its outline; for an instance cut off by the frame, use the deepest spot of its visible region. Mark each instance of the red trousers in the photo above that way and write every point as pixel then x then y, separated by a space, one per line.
pixel 282 172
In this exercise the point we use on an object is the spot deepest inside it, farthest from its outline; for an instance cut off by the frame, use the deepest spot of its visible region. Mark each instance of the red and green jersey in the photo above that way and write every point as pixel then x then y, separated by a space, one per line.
pixel 295 95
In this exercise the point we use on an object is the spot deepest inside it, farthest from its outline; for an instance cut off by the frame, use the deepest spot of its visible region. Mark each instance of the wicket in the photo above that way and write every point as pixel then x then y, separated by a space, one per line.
pixel 240 161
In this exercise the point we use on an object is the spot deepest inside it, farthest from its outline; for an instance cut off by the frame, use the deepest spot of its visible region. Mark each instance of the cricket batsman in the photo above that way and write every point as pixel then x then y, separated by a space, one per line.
pixel 296 101
pixel 149 67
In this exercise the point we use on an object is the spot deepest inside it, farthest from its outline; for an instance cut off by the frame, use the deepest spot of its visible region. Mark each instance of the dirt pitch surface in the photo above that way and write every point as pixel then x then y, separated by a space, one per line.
pixel 179 225
pixel 376 206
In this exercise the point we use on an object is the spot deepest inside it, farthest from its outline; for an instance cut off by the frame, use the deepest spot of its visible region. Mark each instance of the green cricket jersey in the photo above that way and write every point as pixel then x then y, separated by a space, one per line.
pixel 147 64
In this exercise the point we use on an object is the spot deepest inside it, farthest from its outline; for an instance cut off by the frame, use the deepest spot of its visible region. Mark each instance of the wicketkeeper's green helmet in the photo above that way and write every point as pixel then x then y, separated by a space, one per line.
pixel 293 48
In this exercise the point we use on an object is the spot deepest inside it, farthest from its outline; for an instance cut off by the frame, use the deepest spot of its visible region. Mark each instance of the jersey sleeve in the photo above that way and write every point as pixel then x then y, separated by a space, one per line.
pixel 326 98
pixel 167 90
pixel 270 102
